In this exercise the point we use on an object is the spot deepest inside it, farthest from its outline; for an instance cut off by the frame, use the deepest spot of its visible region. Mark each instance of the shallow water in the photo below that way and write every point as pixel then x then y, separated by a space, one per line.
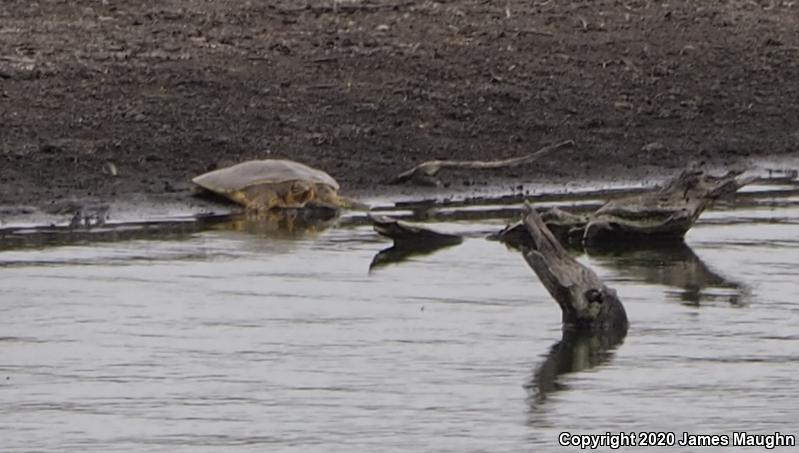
pixel 204 338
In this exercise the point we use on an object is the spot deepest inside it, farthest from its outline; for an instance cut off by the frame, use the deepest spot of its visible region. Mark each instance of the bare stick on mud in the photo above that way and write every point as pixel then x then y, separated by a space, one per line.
pixel 585 301
pixel 425 172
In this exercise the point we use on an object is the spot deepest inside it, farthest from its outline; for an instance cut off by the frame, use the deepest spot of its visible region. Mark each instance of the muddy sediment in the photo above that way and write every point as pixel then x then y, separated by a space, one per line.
pixel 113 100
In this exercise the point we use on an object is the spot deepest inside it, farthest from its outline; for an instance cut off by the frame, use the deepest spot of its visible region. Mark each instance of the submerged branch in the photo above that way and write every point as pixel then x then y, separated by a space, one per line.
pixel 585 301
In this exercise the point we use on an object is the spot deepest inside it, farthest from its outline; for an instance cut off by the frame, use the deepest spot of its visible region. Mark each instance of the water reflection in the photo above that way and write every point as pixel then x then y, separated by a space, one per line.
pixel 278 224
pixel 409 240
pixel 670 264
pixel 577 350
pixel 399 253
pixel 202 337
pixel 282 223
pixel 24 238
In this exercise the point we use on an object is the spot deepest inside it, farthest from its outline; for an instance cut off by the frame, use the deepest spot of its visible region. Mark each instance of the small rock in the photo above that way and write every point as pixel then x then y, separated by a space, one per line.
pixel 623 105
pixel 110 169
pixel 653 147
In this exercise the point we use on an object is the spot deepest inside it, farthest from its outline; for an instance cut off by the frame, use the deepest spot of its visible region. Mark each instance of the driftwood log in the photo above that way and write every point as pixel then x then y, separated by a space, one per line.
pixel 407 234
pixel 409 240
pixel 566 227
pixel 667 213
pixel 663 214
pixel 424 173
pixel 586 303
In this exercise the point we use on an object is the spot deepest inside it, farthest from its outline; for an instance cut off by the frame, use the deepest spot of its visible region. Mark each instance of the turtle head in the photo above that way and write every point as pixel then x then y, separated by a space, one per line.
pixel 328 196
pixel 300 193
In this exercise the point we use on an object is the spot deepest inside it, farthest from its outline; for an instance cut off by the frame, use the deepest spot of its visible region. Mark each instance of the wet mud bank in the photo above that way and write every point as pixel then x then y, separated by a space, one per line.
pixel 122 103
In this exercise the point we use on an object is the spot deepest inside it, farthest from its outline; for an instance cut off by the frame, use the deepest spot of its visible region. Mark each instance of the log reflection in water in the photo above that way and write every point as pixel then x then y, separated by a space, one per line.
pixel 577 350
pixel 672 264
pixel 400 253
pixel 409 240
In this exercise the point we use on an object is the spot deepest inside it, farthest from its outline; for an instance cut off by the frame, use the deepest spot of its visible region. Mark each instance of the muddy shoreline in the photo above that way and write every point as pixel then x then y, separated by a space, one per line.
pixel 123 103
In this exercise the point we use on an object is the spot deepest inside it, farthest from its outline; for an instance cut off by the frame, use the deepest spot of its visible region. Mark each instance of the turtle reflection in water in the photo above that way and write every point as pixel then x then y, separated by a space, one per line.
pixel 263 185
pixel 285 223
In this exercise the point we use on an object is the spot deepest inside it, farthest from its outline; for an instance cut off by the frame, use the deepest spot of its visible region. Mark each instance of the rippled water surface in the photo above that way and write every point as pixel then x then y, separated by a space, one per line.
pixel 225 340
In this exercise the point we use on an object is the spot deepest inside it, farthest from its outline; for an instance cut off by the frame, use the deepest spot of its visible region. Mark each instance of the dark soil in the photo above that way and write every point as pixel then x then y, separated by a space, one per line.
pixel 106 99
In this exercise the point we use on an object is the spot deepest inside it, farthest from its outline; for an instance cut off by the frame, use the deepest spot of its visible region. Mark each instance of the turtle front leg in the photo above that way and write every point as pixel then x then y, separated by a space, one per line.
pixel 258 200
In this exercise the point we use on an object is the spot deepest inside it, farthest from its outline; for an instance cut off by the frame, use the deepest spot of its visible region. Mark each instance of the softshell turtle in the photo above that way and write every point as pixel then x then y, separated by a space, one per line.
pixel 275 183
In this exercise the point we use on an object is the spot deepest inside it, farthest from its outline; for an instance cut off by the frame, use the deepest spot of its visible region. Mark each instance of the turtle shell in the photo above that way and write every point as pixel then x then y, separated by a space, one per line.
pixel 255 172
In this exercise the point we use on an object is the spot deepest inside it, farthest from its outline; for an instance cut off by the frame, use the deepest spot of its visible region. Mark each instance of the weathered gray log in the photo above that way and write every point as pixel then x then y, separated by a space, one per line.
pixel 586 303
pixel 566 227
pixel 425 172
pixel 407 234
pixel 409 240
pixel 665 213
